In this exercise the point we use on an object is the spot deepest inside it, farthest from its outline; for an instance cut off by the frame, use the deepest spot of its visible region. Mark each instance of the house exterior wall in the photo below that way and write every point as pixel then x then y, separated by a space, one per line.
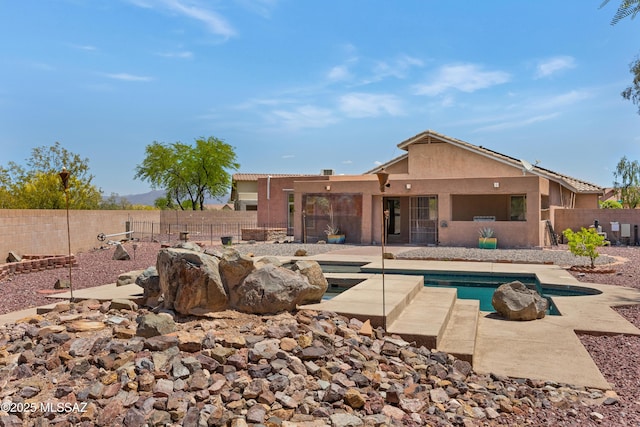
pixel 442 160
pixel 246 195
pixel 467 183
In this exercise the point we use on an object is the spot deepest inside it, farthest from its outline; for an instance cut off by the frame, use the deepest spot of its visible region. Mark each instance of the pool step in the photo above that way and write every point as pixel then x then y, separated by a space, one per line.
pixel 425 318
pixel 459 337
pixel 364 300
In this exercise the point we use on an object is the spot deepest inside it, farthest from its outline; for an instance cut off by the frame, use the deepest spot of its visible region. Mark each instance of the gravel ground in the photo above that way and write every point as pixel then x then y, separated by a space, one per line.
pixel 616 356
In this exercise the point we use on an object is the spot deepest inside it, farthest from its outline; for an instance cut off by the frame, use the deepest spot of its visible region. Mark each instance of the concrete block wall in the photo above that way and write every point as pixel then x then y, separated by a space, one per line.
pixel 44 231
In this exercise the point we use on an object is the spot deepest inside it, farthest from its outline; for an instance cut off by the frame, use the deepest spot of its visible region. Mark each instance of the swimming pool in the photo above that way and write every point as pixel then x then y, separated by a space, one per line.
pixel 469 285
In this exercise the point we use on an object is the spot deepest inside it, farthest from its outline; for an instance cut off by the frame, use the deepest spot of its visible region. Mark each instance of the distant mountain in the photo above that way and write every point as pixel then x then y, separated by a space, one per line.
pixel 148 199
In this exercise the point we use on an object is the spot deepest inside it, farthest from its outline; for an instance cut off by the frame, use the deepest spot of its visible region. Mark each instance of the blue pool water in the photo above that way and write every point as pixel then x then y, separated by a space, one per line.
pixel 478 286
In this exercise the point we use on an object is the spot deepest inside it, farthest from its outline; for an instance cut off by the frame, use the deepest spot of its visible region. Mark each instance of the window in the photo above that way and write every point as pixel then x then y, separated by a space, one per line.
pixel 518 208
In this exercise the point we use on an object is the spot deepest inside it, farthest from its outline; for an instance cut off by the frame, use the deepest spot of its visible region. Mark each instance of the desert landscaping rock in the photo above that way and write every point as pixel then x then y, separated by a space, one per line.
pixel 514 301
pixel 344 379
pixel 512 401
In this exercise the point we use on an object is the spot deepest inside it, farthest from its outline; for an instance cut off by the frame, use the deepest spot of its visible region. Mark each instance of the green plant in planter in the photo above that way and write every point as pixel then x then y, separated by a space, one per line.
pixel 333 231
pixel 584 243
pixel 486 240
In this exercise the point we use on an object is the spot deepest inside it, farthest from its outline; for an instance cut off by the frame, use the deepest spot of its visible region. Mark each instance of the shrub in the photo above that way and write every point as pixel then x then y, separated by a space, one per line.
pixel 584 243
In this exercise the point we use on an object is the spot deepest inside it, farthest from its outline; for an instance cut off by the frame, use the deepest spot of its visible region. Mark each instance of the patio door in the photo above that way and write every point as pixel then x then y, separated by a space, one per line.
pixel 394 224
pixel 423 229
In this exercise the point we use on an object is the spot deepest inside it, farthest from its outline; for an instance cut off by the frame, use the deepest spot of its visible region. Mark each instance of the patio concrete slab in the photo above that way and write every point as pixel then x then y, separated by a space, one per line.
pixel 541 349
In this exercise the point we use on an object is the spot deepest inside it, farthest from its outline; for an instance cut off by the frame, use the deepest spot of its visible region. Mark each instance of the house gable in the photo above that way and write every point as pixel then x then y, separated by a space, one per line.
pixel 441 160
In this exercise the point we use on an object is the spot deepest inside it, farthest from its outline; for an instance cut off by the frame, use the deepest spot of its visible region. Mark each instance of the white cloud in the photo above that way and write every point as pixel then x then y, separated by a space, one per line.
pixel 370 105
pixel 185 54
pixel 339 73
pixel 288 156
pixel 347 162
pixel 553 65
pixel 464 77
pixel 397 68
pixel 215 22
pixel 518 123
pixel 563 99
pixel 129 77
pixel 306 116
pixel 261 7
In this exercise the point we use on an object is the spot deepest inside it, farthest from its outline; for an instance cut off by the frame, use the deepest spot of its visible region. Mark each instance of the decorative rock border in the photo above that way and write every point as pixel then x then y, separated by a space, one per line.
pixel 33 263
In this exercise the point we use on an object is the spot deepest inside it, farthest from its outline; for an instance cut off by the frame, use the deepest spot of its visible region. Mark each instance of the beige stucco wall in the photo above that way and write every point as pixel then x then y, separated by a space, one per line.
pixel 443 160
pixel 44 231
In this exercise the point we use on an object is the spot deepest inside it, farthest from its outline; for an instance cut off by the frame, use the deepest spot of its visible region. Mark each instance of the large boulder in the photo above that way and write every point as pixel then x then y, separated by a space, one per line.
pixel 190 281
pixel 313 272
pixel 234 267
pixel 271 289
pixel 514 301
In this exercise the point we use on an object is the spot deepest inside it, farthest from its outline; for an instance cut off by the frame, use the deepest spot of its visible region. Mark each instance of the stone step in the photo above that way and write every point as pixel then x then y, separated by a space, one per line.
pixel 425 318
pixel 459 337
pixel 365 300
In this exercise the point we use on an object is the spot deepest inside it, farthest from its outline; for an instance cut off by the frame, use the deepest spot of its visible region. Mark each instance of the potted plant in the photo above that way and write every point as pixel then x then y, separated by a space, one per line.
pixel 486 240
pixel 333 231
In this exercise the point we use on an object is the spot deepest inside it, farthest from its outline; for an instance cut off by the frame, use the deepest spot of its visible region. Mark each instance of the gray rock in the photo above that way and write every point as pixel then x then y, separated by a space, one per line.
pixel 123 304
pixel 271 290
pixel 14 257
pixel 345 420
pixel 151 325
pixel 121 254
pixel 128 278
pixel 234 267
pixel 313 272
pixel 514 301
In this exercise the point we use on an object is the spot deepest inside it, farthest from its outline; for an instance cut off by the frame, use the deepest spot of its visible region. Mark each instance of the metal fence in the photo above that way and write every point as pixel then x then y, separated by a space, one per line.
pixel 211 233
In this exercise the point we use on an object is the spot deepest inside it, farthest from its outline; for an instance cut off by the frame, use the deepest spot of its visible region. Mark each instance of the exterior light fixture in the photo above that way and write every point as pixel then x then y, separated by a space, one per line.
pixel 407 186
pixel 327 187
pixel 496 185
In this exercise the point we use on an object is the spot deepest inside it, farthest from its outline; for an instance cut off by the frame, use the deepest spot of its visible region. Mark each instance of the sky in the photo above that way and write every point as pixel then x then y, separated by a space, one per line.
pixel 301 86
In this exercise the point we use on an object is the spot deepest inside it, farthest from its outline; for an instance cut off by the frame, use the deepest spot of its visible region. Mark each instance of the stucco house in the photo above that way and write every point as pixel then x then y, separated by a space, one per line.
pixel 442 191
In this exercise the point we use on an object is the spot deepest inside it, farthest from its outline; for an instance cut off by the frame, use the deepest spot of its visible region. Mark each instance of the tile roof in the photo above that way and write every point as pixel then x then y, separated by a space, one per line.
pixel 574 184
pixel 256 176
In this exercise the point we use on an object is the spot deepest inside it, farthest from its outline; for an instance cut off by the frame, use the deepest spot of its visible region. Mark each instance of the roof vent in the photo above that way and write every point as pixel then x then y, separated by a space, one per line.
pixel 326 172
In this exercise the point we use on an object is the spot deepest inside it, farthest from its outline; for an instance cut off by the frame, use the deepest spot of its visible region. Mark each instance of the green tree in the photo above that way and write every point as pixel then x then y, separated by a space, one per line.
pixel 584 243
pixel 189 173
pixel 627 182
pixel 37 185
pixel 115 202
pixel 629 8
pixel 610 204
pixel 632 93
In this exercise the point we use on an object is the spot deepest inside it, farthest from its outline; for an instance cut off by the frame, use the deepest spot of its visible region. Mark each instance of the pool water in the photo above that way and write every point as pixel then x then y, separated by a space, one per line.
pixel 478 286
pixel 482 286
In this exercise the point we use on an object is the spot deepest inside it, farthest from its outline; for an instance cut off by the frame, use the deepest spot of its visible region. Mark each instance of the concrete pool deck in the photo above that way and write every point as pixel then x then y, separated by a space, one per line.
pixel 545 349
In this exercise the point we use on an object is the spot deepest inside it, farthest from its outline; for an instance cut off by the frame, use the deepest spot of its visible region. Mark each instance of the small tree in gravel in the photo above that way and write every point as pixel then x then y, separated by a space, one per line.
pixel 584 243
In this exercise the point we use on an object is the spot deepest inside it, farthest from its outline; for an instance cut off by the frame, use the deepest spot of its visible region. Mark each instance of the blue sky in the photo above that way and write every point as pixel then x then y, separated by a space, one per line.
pixel 300 86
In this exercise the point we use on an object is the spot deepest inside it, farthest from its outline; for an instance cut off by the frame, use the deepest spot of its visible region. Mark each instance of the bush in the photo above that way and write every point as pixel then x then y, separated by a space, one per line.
pixel 584 243
pixel 610 204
